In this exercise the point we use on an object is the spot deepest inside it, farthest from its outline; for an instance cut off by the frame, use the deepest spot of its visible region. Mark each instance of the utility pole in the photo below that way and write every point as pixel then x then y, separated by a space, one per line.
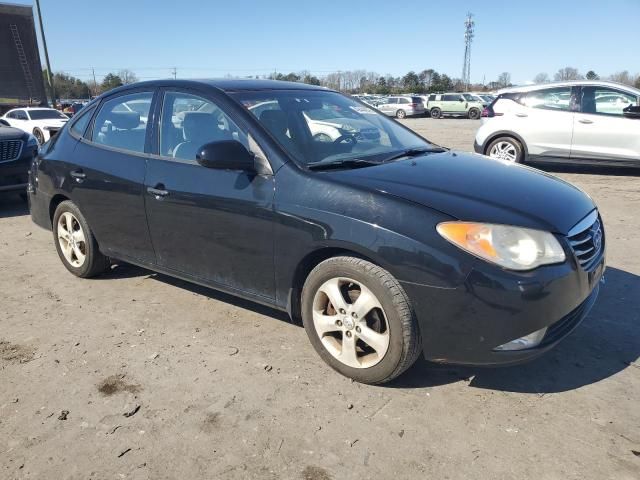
pixel 469 27
pixel 175 73
pixel 46 57
pixel 95 84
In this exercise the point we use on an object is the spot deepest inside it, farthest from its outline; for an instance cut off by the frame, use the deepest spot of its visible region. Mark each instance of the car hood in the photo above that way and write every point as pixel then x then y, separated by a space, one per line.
pixel 10 133
pixel 476 188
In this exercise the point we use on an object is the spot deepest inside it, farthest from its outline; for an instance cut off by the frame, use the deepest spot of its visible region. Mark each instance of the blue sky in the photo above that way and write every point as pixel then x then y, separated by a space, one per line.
pixel 249 37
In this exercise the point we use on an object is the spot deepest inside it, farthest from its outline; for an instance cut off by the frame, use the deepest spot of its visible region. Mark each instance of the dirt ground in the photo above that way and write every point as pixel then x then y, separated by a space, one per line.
pixel 136 375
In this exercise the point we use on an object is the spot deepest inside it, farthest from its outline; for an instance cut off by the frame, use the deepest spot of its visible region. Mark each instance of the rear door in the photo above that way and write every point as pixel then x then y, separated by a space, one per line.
pixel 601 132
pixel 107 180
pixel 215 225
pixel 453 103
pixel 544 119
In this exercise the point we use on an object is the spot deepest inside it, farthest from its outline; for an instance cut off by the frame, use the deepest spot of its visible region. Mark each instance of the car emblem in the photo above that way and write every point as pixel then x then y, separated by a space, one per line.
pixel 597 239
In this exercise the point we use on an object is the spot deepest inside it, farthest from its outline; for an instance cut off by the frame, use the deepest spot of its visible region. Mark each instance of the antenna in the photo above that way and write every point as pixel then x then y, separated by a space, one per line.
pixel 469 27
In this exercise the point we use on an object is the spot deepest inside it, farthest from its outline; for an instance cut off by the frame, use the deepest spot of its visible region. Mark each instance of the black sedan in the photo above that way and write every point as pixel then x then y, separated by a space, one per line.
pixel 386 249
pixel 17 151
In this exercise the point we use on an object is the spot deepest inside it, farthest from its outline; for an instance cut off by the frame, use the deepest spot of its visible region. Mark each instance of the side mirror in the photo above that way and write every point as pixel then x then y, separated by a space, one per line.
pixel 225 155
pixel 461 100
pixel 632 111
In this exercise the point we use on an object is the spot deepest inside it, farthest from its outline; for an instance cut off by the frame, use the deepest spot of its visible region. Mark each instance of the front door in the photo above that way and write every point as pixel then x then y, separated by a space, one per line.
pixel 215 225
pixel 601 132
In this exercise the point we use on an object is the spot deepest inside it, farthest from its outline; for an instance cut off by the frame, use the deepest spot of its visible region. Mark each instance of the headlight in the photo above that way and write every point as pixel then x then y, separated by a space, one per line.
pixel 510 247
pixel 31 141
pixel 348 128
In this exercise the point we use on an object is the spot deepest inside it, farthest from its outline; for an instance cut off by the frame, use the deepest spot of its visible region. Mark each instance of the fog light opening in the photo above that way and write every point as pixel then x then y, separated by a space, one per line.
pixel 528 341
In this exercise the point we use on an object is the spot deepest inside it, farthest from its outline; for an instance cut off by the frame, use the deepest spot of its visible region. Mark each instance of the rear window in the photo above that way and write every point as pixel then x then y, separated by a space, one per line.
pixel 416 99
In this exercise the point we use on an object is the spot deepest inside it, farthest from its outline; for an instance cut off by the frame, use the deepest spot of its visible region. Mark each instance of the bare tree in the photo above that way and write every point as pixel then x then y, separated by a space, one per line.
pixel 622 77
pixel 568 73
pixel 127 76
pixel 504 80
pixel 541 78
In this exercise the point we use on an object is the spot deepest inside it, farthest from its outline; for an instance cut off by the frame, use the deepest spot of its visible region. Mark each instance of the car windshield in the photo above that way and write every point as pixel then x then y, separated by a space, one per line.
pixel 322 126
pixel 470 98
pixel 46 114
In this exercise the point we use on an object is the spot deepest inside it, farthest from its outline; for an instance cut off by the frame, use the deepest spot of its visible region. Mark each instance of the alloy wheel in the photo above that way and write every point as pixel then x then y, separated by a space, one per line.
pixel 504 151
pixel 351 322
pixel 72 239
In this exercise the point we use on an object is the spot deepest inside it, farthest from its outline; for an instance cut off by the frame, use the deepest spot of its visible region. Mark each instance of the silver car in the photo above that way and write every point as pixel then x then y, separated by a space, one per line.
pixel 402 106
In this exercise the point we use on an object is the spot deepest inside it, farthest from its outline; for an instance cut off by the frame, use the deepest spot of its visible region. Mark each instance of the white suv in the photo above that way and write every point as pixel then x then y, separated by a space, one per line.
pixel 570 122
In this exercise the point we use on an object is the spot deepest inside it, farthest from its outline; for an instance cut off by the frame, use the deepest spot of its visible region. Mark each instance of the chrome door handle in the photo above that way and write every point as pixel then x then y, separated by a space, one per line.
pixel 521 115
pixel 158 192
pixel 78 174
pixel 585 121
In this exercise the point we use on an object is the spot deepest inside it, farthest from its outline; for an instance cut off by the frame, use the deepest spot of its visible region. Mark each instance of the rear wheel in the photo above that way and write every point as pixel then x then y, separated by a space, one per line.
pixel 401 114
pixel 75 243
pixel 507 149
pixel 436 112
pixel 474 114
pixel 359 320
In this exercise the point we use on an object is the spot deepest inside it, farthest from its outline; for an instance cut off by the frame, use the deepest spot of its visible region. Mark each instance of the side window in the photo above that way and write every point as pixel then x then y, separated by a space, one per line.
pixel 122 122
pixel 550 99
pixel 80 125
pixel 392 100
pixel 605 101
pixel 432 98
pixel 188 122
pixel 450 98
pixel 403 100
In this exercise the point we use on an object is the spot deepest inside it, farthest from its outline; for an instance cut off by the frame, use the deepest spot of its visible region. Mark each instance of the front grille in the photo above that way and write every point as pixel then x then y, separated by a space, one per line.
pixel 588 243
pixel 10 150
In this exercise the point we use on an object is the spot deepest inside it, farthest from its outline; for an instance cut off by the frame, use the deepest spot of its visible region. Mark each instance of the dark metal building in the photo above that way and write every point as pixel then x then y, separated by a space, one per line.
pixel 21 80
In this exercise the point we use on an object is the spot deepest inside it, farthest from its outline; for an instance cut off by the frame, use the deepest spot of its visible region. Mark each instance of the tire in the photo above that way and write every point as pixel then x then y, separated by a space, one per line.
pixel 385 341
pixel 39 135
pixel 474 114
pixel 93 262
pixel 401 114
pixel 436 113
pixel 506 148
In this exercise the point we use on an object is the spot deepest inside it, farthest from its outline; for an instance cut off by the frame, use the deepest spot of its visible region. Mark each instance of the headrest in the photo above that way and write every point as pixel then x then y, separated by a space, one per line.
pixel 125 120
pixel 274 120
pixel 198 125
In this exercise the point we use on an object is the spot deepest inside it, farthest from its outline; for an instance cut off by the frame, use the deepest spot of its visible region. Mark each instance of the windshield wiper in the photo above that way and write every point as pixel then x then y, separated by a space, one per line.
pixel 414 152
pixel 346 163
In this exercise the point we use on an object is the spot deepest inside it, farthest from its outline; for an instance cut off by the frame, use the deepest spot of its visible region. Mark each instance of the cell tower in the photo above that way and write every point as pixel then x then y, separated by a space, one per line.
pixel 469 26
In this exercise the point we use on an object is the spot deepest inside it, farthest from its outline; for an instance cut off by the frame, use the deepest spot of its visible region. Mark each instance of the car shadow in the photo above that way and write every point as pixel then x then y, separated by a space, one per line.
pixel 587 169
pixel 11 205
pixel 607 342
pixel 126 270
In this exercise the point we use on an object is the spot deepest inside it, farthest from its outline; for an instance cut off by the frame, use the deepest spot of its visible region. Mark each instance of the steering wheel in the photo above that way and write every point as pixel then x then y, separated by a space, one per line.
pixel 350 139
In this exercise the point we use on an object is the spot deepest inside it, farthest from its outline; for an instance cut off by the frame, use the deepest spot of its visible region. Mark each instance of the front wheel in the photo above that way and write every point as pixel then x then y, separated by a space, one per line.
pixel 39 135
pixel 507 149
pixel 359 320
pixel 75 243
pixel 474 114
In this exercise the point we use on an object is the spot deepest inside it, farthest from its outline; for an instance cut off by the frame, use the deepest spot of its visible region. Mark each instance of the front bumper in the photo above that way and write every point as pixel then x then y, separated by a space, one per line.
pixel 14 174
pixel 478 148
pixel 465 325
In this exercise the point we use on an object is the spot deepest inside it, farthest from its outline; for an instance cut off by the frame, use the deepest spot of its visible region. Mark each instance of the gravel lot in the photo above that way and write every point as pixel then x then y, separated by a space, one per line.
pixel 231 390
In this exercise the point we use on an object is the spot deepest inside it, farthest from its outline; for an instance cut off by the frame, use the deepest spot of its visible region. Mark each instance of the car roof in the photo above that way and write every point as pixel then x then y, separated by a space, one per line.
pixel 596 83
pixel 224 84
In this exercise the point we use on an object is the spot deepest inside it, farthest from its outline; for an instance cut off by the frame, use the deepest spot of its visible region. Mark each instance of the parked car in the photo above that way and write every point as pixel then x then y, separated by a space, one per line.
pixel 17 151
pixel 402 106
pixel 573 122
pixel 43 123
pixel 329 124
pixel 387 249
pixel 454 104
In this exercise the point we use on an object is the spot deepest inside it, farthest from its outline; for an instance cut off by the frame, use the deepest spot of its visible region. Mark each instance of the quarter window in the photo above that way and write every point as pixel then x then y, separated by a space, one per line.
pixel 189 122
pixel 605 101
pixel 122 122
pixel 80 125
pixel 550 99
